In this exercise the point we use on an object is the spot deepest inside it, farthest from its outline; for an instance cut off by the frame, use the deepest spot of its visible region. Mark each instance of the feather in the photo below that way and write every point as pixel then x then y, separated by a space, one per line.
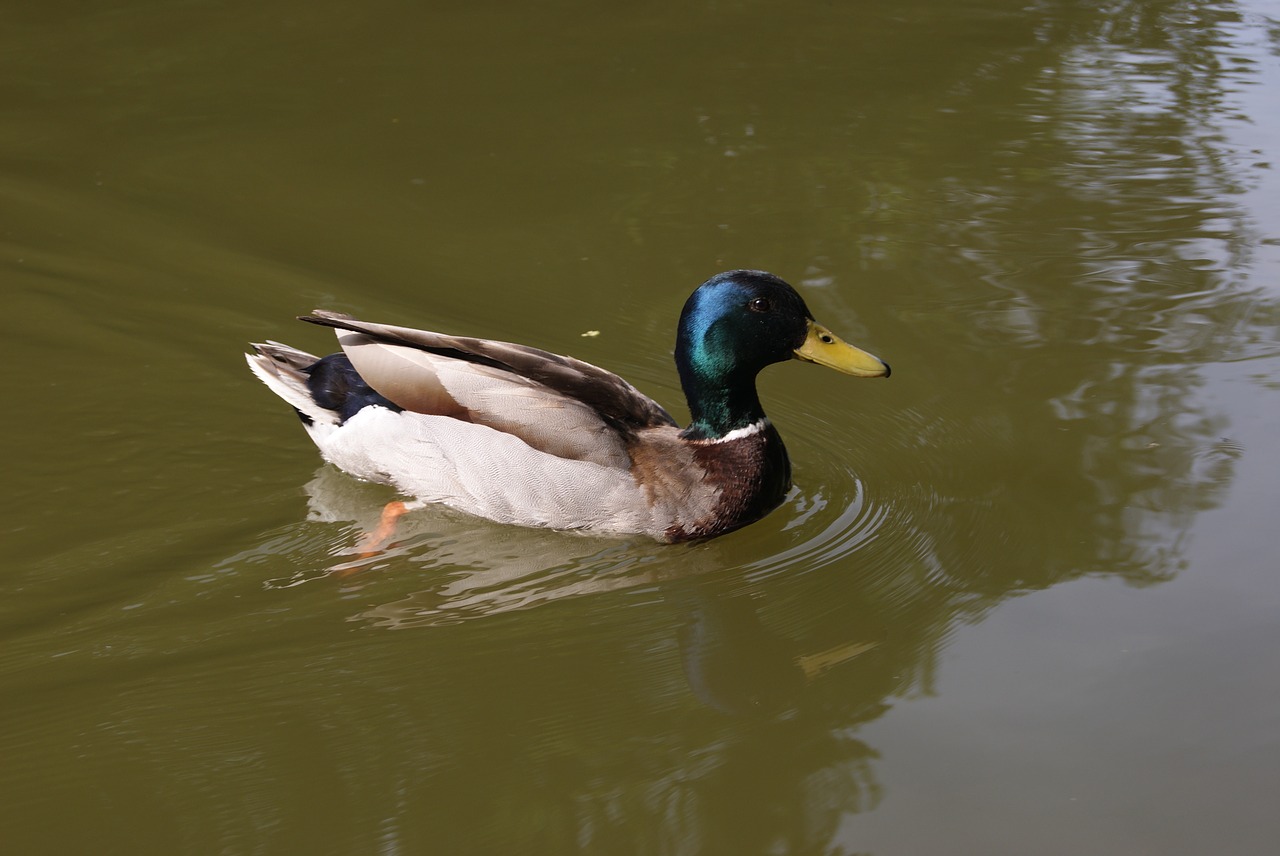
pixel 283 370
pixel 430 383
pixel 617 402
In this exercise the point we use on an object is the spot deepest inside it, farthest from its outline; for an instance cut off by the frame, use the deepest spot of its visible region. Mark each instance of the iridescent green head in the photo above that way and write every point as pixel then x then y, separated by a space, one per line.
pixel 734 325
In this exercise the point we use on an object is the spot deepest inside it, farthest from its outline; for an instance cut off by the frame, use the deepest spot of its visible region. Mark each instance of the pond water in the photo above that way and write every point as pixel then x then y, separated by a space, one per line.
pixel 1023 598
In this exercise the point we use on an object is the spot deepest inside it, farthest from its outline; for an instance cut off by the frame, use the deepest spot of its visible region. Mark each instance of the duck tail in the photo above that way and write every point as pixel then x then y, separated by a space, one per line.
pixel 284 370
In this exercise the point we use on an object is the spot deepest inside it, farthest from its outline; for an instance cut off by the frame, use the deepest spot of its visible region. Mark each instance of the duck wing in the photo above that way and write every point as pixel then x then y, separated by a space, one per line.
pixel 555 404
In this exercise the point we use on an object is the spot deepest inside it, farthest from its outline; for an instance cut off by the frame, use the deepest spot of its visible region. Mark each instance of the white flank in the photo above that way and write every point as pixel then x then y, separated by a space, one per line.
pixel 488 473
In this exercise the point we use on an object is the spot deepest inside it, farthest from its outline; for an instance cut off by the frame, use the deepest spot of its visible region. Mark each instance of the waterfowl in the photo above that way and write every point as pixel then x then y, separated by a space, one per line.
pixel 522 436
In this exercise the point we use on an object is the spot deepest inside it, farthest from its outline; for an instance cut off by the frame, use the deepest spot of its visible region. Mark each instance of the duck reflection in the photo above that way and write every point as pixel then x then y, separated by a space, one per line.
pixel 487 568
pixel 737 665
pixel 781 697
pixel 732 661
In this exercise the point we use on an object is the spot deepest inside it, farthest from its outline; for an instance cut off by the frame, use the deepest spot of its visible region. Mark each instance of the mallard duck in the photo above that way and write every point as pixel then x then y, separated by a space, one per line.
pixel 526 437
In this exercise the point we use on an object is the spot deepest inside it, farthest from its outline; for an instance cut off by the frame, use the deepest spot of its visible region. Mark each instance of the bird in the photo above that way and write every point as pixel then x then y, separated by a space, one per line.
pixel 526 437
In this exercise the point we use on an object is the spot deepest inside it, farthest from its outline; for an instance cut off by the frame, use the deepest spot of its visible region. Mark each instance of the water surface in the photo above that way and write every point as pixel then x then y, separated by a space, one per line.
pixel 1021 600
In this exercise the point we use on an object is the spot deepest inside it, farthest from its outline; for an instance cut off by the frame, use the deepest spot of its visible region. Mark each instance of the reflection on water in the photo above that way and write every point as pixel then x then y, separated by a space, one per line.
pixel 485 568
pixel 795 752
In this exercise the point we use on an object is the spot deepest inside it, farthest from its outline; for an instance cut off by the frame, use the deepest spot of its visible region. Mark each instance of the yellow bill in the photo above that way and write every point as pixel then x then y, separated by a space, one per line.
pixel 825 348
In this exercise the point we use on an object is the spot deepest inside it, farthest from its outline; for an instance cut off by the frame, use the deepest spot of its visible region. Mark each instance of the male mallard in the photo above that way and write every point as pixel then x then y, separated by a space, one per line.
pixel 523 436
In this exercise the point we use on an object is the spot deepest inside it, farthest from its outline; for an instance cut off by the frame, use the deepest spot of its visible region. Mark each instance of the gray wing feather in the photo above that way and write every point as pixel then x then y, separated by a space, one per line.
pixel 618 402
pixel 555 404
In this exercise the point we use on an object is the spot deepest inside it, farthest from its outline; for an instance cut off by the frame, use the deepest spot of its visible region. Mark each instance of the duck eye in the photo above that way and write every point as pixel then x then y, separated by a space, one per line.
pixel 759 304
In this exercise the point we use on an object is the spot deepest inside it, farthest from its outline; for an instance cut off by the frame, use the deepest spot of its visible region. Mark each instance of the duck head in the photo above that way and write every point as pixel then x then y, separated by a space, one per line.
pixel 734 325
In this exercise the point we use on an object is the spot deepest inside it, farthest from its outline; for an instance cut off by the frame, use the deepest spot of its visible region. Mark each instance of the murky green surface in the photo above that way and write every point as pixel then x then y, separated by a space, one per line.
pixel 1024 598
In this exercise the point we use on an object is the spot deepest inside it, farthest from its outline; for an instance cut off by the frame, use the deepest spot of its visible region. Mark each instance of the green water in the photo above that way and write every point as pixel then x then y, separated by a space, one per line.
pixel 1023 598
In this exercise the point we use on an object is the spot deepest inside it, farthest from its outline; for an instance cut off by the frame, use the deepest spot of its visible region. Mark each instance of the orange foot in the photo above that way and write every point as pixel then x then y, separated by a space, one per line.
pixel 372 543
